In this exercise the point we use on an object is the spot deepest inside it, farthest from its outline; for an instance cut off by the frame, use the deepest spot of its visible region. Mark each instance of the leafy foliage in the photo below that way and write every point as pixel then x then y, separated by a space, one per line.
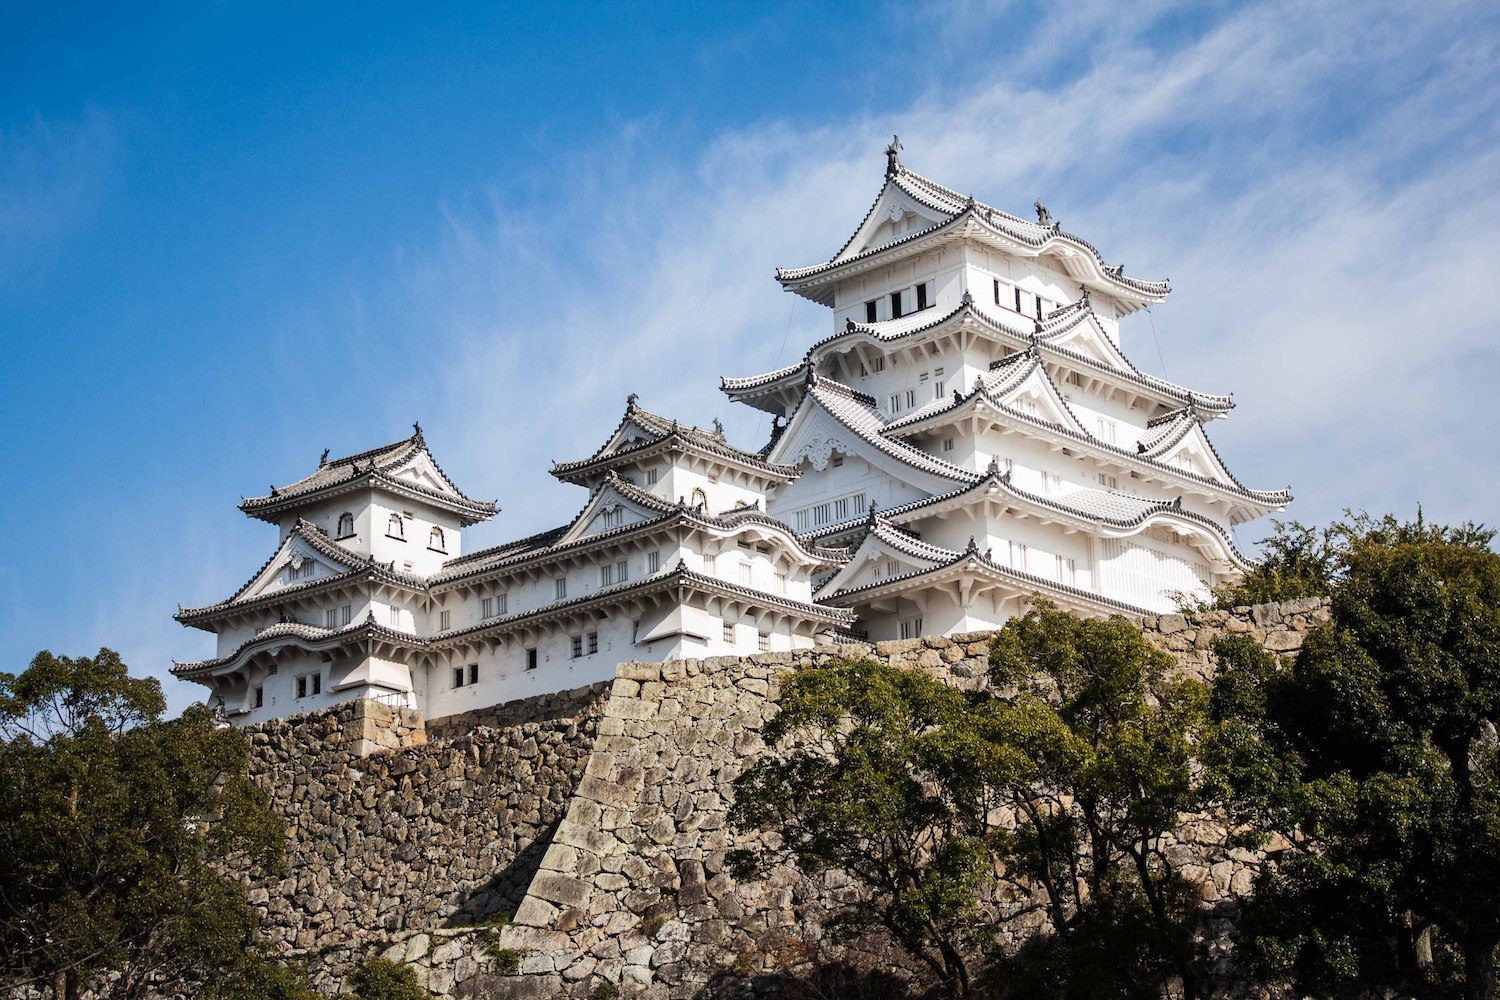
pixel 382 979
pixel 113 821
pixel 1373 756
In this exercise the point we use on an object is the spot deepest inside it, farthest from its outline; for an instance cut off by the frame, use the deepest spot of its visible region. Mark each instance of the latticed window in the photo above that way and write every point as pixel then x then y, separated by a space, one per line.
pixel 395 527
pixel 435 540
pixel 346 524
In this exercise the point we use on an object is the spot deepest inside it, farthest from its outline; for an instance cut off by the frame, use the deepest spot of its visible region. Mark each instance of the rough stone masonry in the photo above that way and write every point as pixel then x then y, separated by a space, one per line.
pixel 548 847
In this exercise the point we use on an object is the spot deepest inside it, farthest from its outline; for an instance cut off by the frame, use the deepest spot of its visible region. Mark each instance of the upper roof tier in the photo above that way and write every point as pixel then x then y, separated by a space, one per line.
pixel 957 218
pixel 640 434
pixel 404 467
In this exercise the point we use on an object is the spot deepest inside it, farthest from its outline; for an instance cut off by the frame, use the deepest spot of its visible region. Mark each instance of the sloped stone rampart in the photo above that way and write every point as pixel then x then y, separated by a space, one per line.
pixel 597 820
pixel 396 829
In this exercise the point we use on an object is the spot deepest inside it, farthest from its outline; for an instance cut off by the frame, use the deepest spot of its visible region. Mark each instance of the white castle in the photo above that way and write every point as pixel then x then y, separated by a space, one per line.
pixel 969 436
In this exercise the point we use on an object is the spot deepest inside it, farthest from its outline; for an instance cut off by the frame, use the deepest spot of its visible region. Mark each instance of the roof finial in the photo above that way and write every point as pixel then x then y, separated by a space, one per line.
pixel 1083 296
pixel 324 460
pixel 968 298
pixel 958 397
pixel 718 427
pixel 630 401
pixel 973 547
pixel 989 554
pixel 849 325
pixel 416 430
pixel 871 516
pixel 970 203
pixel 892 162
pixel 1043 217
pixel 994 468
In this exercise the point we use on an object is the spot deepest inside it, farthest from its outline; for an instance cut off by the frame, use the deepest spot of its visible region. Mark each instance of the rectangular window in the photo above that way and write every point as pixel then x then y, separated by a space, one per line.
pixel 762 641
pixel 317 683
pixel 896 402
pixel 458 677
pixel 622 570
pixel 531 658
pixel 593 638
pixel 560 588
pixel 1109 481
pixel 870 311
pixel 260 696
pixel 1107 430
pixel 997 291
pixel 922 296
pixel 1018 300
pixel 729 633
pixel 653 562
pixel 331 617
pixel 606 575
pixel 473 673
pixel 1064 570
pixel 577 646
pixel 911 397
pixel 1018 556
pixel 947 444
pixel 802 520
pixel 892 568
pixel 302 687
pixel 711 564
pixel 486 608
pixel 745 573
pixel 781 583
pixel 911 628
pixel 877 364
pixel 895 305
pixel 1051 482
pixel 924 376
pixel 650 477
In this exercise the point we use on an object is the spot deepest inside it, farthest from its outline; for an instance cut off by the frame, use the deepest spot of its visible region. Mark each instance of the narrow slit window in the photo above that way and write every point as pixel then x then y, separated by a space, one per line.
pixel 870 311
pixel 922 296
pixel 895 305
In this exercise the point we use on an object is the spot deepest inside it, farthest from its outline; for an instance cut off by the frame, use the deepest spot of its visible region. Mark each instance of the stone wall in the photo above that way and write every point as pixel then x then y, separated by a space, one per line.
pixel 400 854
pixel 395 830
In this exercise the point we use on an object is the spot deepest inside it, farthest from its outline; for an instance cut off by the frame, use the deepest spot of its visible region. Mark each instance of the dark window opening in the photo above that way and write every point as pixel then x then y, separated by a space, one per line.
pixel 1018 299
pixel 895 305
pixel 473 673
pixel 260 697
pixel 531 659
pixel 1038 307
pixel 870 311
pixel 458 677
pixel 997 291
pixel 922 296
pixel 317 682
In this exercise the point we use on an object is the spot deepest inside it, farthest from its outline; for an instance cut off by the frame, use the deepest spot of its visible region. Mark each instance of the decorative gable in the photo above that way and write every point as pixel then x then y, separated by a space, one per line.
pixel 895 215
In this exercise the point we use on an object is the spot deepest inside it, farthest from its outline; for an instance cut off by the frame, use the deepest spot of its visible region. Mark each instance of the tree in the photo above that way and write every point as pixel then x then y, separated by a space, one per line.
pixel 113 823
pixel 1092 755
pixel 870 781
pixel 1373 754
pixel 382 979
pixel 1296 561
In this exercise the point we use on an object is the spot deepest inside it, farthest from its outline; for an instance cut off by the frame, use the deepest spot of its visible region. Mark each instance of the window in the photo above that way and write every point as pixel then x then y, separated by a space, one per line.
pixel 1051 482
pixel 492 606
pixel 560 588
pixel 1039 301
pixel 593 638
pixel 613 518
pixel 762 641
pixel 458 677
pixel 1065 569
pixel 997 291
pixel 1107 430
pixel 301 687
pixel 611 575
pixel 395 527
pixel 577 646
pixel 1018 301
pixel 653 562
pixel 877 364
pixel 922 296
pixel 892 568
pixel 445 620
pixel 896 402
pixel 947 444
pixel 531 658
pixel 338 617
pixel 473 673
pixel 1109 481
pixel 781 583
pixel 911 397
pixel 435 540
pixel 895 305
pixel 745 573
pixel 309 684
pixel 606 575
pixel 911 628
pixel 1018 556
pixel 710 564
pixel 260 696
pixel 870 311
pixel 939 384
pixel 622 570
pixel 346 525
pixel 650 477
pixel 729 632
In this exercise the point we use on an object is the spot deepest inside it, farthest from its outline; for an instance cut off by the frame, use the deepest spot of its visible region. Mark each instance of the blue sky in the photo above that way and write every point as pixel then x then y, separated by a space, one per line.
pixel 231 237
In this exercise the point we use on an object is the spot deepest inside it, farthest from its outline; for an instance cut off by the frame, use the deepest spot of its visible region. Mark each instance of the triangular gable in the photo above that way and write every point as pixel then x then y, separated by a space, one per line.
pixel 895 215
pixel 883 554
pixel 815 434
pixel 1034 394
pixel 1088 339
pixel 1193 453
pixel 311 562
pixel 607 510
pixel 420 470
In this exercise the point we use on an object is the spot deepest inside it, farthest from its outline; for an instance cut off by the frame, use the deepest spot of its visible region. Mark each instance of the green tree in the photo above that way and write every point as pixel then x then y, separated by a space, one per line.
pixel 382 979
pixel 871 780
pixel 114 820
pixel 1092 745
pixel 1296 561
pixel 1373 755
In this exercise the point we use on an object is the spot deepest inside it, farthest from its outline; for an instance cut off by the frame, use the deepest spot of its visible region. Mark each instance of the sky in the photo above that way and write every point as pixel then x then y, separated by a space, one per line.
pixel 232 236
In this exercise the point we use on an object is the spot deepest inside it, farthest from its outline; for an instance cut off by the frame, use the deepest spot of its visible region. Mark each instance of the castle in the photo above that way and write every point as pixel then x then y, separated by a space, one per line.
pixel 970 435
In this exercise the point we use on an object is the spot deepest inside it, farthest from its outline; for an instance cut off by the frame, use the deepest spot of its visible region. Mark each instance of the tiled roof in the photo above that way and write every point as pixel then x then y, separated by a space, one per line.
pixel 961 210
pixel 374 465
pixel 857 412
pixel 298 630
pixel 662 429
